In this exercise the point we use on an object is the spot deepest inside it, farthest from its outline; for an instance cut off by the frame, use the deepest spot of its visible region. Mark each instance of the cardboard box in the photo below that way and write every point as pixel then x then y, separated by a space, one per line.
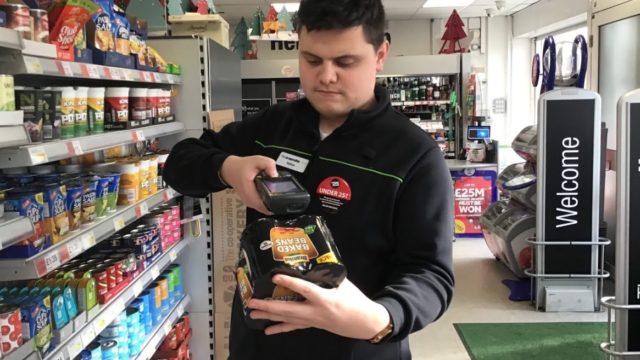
pixel 211 26
pixel 229 220
pixel 228 216
pixel 223 323
pixel 219 118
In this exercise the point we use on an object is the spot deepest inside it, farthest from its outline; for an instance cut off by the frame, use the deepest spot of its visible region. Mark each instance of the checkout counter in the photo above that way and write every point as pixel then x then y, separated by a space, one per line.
pixel 474 182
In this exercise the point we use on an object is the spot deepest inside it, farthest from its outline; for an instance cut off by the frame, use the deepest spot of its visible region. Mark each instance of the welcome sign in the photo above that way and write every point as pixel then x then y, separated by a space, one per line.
pixel 569 180
pixel 628 224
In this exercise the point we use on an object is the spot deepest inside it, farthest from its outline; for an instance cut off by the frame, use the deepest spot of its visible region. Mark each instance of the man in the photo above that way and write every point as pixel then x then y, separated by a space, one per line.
pixel 391 218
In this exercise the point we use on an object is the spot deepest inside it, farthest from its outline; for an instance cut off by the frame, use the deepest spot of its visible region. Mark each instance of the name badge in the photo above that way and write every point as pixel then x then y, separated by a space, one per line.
pixel 292 162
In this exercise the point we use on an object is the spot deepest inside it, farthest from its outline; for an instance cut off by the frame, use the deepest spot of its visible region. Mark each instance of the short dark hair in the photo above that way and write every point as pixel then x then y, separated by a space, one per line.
pixel 343 14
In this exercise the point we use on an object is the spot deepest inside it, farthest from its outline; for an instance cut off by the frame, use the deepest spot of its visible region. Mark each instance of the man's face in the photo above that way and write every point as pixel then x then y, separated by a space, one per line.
pixel 338 69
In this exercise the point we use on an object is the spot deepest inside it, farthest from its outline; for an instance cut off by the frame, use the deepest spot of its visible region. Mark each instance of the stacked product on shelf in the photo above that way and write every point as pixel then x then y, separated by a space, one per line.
pixel 427 100
pixel 68 112
pixel 175 346
pixel 96 32
pixel 47 309
pixel 60 199
pixel 125 337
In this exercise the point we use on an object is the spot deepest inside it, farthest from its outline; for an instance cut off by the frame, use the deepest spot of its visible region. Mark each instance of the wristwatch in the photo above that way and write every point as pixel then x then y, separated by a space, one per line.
pixel 383 333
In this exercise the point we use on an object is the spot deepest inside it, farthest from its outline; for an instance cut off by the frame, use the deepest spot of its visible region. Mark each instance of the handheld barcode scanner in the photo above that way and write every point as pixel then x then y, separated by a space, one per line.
pixel 283 194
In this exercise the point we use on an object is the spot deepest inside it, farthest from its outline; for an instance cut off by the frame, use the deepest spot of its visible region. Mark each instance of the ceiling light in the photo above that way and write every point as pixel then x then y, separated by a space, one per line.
pixel 447 3
pixel 291 7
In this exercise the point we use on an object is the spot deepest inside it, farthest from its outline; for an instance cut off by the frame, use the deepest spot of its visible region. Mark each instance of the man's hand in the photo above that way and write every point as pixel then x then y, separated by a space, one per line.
pixel 344 311
pixel 239 173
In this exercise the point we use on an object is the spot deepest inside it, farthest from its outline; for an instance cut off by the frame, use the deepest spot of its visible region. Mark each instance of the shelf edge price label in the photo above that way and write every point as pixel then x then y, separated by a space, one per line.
pixel 137 288
pixel 38 155
pixel 34 66
pixel 60 355
pixel 155 272
pixel 74 148
pixel 87 336
pixel 146 76
pixel 118 223
pixel 88 240
pixel 137 136
pixel 75 348
pixel 119 306
pixel 171 79
pixel 142 210
pixel 52 261
pixel 92 71
pixel 168 194
pixel 75 248
pixel 100 325
pixel 173 255
pixel 115 73
pixel 64 68
pixel 156 77
pixel 180 310
pixel 167 328
pixel 128 74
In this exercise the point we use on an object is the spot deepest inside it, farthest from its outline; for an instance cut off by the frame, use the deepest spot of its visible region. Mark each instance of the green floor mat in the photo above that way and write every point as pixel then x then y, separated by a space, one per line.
pixel 533 341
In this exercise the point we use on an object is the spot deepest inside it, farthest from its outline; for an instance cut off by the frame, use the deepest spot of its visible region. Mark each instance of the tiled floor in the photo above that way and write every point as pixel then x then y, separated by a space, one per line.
pixel 479 297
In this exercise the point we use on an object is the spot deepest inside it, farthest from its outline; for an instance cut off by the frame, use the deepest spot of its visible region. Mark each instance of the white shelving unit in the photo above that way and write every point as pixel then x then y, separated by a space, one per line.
pixel 33 58
pixel 36 154
pixel 420 103
pixel 78 242
pixel 107 313
pixel 14 228
pixel 35 64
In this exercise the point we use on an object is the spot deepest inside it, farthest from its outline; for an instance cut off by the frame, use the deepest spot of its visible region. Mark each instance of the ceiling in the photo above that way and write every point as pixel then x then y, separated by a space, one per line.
pixel 233 10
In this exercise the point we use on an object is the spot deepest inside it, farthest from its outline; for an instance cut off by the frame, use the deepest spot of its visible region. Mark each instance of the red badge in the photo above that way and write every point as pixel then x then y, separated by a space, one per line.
pixel 333 193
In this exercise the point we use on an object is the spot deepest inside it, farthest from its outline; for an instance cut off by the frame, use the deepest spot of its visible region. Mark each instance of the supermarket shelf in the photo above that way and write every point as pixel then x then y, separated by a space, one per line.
pixel 107 313
pixel 24 352
pixel 420 103
pixel 11 136
pixel 39 66
pixel 14 228
pixel 12 118
pixel 162 330
pixel 52 258
pixel 36 58
pixel 10 39
pixel 57 150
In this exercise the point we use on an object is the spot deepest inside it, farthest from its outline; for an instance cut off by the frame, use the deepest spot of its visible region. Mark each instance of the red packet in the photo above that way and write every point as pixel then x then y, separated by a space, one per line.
pixel 73 16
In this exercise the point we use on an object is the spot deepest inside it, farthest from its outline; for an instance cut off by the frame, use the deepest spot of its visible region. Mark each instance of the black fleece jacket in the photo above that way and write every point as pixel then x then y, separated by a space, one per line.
pixel 394 233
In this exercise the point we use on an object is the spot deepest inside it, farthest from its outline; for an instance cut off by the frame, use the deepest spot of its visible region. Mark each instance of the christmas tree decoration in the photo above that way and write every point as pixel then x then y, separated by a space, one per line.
pixel 272 25
pixel 294 21
pixel 258 19
pixel 212 7
pixel 175 7
pixel 203 7
pixel 453 35
pixel 241 44
pixel 285 19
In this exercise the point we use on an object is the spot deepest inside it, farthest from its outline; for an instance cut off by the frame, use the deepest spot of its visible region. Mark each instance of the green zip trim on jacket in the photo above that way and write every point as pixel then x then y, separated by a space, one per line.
pixel 283 148
pixel 399 179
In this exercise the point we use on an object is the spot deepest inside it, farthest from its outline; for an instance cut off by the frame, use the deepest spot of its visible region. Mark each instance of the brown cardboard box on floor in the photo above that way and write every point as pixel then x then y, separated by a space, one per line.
pixel 228 218
pixel 223 323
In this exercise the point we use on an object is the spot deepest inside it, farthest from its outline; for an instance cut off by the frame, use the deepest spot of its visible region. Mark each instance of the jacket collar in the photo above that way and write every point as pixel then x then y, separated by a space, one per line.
pixel 356 118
